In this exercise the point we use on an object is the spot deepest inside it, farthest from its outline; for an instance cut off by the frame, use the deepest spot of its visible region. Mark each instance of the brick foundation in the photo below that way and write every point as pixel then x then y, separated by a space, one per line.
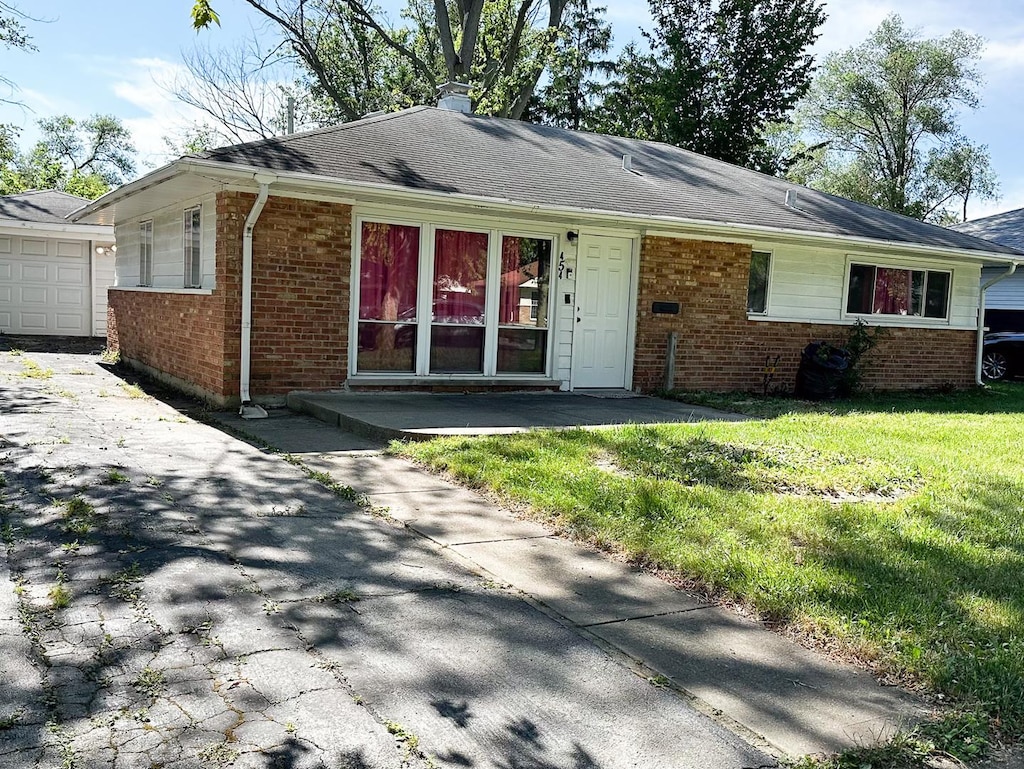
pixel 302 253
pixel 719 349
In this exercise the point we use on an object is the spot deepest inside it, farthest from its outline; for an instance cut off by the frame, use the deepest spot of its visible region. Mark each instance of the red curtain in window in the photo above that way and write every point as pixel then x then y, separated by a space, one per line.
pixel 892 291
pixel 388 267
pixel 460 276
pixel 511 277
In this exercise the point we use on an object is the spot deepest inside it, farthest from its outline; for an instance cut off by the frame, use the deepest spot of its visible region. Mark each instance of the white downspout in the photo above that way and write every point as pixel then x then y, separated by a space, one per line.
pixel 981 321
pixel 248 409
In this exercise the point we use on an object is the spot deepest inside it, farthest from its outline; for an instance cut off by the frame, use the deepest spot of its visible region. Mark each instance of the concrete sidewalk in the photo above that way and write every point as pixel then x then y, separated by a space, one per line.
pixel 765 688
pixel 419 416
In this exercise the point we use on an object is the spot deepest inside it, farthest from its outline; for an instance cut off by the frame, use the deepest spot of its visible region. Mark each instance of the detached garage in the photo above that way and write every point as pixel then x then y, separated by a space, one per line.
pixel 54 273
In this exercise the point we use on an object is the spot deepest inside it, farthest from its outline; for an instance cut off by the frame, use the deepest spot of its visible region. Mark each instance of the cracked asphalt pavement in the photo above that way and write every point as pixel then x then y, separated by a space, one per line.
pixel 171 596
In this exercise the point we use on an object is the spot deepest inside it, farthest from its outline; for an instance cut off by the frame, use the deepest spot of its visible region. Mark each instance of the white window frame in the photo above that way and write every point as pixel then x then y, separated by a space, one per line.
pixel 146 253
pixel 424 297
pixel 193 262
pixel 895 318
pixel 768 284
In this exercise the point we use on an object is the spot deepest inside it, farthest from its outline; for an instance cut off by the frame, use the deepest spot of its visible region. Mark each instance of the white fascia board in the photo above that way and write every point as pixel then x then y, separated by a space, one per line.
pixel 652 224
pixel 69 231
pixel 151 179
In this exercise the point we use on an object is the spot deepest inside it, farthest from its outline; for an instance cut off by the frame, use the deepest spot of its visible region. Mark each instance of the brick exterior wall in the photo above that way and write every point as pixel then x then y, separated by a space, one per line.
pixel 302 253
pixel 719 349
pixel 179 335
pixel 302 257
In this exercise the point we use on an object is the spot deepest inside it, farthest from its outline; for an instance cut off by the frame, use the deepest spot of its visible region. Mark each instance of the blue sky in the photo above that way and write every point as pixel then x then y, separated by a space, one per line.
pixel 112 56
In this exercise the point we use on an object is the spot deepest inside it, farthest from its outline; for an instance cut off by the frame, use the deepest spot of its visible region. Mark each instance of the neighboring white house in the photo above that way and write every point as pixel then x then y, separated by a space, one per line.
pixel 1004 301
pixel 54 273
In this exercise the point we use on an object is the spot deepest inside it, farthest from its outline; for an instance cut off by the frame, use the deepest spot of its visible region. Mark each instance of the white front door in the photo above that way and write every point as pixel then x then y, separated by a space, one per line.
pixel 600 342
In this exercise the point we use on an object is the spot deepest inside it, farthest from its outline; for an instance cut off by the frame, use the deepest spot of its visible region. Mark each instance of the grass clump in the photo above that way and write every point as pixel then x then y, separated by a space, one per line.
pixel 32 370
pixel 150 682
pixel 60 596
pixel 78 516
pixel 890 529
pixel 133 391
pixel 114 476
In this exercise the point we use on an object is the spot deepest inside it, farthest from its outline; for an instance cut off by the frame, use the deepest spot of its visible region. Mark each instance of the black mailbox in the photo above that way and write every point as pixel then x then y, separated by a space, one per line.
pixel 665 308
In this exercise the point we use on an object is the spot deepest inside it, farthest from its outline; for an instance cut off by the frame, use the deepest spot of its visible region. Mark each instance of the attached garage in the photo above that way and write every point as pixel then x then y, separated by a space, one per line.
pixel 54 274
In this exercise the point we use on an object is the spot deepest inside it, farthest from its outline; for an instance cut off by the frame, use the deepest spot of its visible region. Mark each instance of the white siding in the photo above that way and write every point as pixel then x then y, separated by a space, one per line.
pixel 168 255
pixel 103 278
pixel 809 284
pixel 563 316
pixel 1007 294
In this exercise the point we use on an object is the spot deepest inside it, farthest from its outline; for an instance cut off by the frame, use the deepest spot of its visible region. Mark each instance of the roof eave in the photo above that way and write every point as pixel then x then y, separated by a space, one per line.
pixel 348 188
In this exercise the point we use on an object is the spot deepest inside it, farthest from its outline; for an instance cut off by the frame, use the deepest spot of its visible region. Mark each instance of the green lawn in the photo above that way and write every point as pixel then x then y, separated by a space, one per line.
pixel 888 528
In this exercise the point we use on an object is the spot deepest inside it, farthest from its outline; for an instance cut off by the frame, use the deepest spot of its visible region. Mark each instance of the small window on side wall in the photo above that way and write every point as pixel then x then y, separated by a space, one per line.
pixel 192 238
pixel 146 253
pixel 757 284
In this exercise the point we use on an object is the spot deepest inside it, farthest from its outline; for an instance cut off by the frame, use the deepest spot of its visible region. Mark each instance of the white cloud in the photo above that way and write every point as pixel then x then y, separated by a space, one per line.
pixel 146 89
pixel 1000 56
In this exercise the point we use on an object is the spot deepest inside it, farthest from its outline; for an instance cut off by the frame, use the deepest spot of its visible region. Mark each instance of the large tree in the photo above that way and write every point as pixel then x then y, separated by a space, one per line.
pixel 499 47
pixel 715 75
pixel 578 70
pixel 81 157
pixel 886 113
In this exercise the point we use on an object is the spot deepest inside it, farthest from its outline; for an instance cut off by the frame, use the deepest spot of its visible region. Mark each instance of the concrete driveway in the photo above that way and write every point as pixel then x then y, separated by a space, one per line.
pixel 174 597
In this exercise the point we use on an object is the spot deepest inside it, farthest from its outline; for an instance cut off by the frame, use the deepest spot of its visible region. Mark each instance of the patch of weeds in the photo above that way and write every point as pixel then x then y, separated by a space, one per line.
pixel 150 682
pixel 218 754
pixel 60 596
pixel 63 440
pixel 954 739
pixel 271 607
pixel 121 442
pixel 66 394
pixel 290 728
pixel 114 476
pixel 110 356
pixel 7 533
pixel 324 479
pixel 338 596
pixel 32 370
pixel 153 481
pixel 133 391
pixel 103 393
pixel 71 547
pixel 12 719
pixel 16 353
pixel 403 735
pixel 125 583
pixel 44 475
pixel 492 584
pixel 3 480
pixel 79 516
pixel 659 681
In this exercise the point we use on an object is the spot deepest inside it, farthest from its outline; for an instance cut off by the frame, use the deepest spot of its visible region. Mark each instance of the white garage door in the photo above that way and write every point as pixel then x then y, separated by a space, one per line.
pixel 44 286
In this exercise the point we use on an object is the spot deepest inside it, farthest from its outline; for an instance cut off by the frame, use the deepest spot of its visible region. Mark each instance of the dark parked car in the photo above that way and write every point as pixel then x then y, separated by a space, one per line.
pixel 1003 355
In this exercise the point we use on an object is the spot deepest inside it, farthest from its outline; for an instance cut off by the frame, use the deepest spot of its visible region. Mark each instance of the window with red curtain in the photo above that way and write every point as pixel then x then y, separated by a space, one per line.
pixel 388 271
pixel 523 305
pixel 459 296
pixel 897 291
pixel 388 277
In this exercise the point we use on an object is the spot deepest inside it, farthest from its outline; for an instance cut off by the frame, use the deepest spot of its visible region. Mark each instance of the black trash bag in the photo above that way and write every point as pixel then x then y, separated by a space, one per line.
pixel 822 371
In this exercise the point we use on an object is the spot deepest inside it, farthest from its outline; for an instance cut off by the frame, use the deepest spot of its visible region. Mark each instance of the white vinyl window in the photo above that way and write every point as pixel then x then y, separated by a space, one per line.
pixel 146 253
pixel 877 290
pixel 191 240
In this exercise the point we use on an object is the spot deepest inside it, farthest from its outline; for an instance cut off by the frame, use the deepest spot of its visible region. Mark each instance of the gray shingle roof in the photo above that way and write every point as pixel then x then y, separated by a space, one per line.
pixel 444 151
pixel 44 206
pixel 1006 228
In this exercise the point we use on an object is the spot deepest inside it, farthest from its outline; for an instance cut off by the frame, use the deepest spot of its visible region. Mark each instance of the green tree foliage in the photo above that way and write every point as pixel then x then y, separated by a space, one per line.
pixel 715 75
pixel 579 66
pixel 886 114
pixel 85 157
